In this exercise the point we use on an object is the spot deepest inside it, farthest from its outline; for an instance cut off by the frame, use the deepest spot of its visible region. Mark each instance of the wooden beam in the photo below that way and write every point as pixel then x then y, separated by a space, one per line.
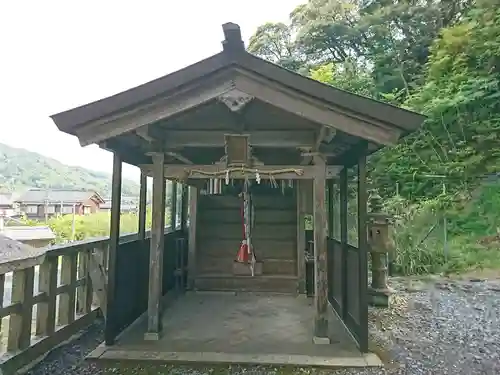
pixel 142 205
pixel 156 251
pixel 258 138
pixel 191 97
pixel 151 143
pixel 110 330
pixel 322 134
pixel 201 92
pixel 193 218
pixel 350 157
pixel 286 172
pixel 320 251
pixel 311 109
pixel 179 156
pixel 143 132
pixel 128 155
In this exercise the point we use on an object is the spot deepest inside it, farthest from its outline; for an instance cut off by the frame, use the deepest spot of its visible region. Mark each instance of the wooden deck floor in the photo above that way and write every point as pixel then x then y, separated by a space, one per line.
pixel 229 328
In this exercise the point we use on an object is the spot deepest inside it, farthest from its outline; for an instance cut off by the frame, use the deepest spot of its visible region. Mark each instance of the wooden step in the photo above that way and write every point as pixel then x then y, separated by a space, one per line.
pixel 225 282
pixel 232 216
pixel 213 265
pixel 264 249
pixel 234 231
pixel 279 267
pixel 228 202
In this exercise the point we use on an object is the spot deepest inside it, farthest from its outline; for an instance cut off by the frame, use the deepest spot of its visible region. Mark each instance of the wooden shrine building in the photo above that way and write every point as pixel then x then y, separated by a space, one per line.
pixel 211 127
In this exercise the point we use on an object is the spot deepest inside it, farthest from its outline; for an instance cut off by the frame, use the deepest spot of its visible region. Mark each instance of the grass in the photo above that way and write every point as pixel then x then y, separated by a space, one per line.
pixel 471 241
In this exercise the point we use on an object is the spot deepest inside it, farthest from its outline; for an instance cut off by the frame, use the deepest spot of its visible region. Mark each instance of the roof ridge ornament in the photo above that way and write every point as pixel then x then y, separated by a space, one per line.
pixel 232 38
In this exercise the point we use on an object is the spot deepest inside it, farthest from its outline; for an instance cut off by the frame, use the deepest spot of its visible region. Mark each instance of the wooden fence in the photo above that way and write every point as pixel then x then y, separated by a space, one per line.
pixel 51 299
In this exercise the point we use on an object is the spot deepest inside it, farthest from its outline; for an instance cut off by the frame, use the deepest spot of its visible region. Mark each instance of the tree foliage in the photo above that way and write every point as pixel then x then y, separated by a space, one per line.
pixel 438 57
pixel 95 225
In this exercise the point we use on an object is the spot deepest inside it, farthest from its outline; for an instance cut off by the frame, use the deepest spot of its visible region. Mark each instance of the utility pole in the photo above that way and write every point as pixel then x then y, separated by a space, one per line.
pixel 73 223
pixel 46 206
pixel 2 220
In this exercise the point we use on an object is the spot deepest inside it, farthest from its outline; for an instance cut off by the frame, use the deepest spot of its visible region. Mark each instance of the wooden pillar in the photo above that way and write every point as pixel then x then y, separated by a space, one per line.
pixel 320 252
pixel 343 239
pixel 173 206
pixel 110 330
pixel 363 253
pixel 193 206
pixel 331 210
pixel 330 218
pixel 156 250
pixel 142 205
pixel 301 236
pixel 184 206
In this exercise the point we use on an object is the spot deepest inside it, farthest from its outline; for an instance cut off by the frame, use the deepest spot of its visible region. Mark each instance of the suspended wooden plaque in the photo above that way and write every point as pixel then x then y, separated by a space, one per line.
pixel 238 150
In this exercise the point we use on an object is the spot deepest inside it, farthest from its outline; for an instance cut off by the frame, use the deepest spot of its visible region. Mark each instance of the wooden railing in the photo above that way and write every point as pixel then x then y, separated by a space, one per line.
pixel 51 299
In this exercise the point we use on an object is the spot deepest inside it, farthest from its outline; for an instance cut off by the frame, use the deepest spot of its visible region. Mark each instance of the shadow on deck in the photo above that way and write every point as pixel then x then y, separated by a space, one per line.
pixel 245 329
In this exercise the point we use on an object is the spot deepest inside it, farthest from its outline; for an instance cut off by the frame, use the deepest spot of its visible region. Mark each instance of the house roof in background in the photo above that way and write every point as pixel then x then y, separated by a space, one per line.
pixel 57 196
pixel 17 255
pixel 123 206
pixel 26 233
pixel 6 199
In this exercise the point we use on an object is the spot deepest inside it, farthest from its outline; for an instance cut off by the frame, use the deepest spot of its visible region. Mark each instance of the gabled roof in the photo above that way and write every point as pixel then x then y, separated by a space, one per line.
pixel 234 55
pixel 57 196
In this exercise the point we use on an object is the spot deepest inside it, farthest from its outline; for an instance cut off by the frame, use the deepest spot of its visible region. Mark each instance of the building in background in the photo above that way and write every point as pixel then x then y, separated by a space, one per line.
pixel 128 204
pixel 42 204
pixel 8 206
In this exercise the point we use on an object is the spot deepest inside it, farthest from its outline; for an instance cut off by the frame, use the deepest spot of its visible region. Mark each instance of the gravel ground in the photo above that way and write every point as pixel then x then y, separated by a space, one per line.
pixel 434 327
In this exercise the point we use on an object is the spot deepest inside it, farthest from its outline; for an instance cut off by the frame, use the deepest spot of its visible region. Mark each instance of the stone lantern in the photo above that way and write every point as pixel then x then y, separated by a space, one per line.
pixel 380 244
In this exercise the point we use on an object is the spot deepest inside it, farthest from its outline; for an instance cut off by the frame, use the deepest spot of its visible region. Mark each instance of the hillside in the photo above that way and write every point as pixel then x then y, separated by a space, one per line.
pixel 20 169
pixel 436 57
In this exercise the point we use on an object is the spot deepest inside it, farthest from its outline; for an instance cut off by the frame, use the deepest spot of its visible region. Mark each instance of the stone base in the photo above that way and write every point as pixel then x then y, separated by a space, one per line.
pixel 243 269
pixel 152 336
pixel 379 297
pixel 321 340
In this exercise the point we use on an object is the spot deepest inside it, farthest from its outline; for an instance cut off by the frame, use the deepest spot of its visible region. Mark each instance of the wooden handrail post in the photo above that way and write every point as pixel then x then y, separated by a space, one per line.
pixel 67 300
pixel 20 322
pixel 46 311
pixel 84 294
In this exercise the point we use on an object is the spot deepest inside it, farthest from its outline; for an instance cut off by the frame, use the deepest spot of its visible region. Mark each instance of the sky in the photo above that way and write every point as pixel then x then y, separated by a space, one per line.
pixel 56 55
